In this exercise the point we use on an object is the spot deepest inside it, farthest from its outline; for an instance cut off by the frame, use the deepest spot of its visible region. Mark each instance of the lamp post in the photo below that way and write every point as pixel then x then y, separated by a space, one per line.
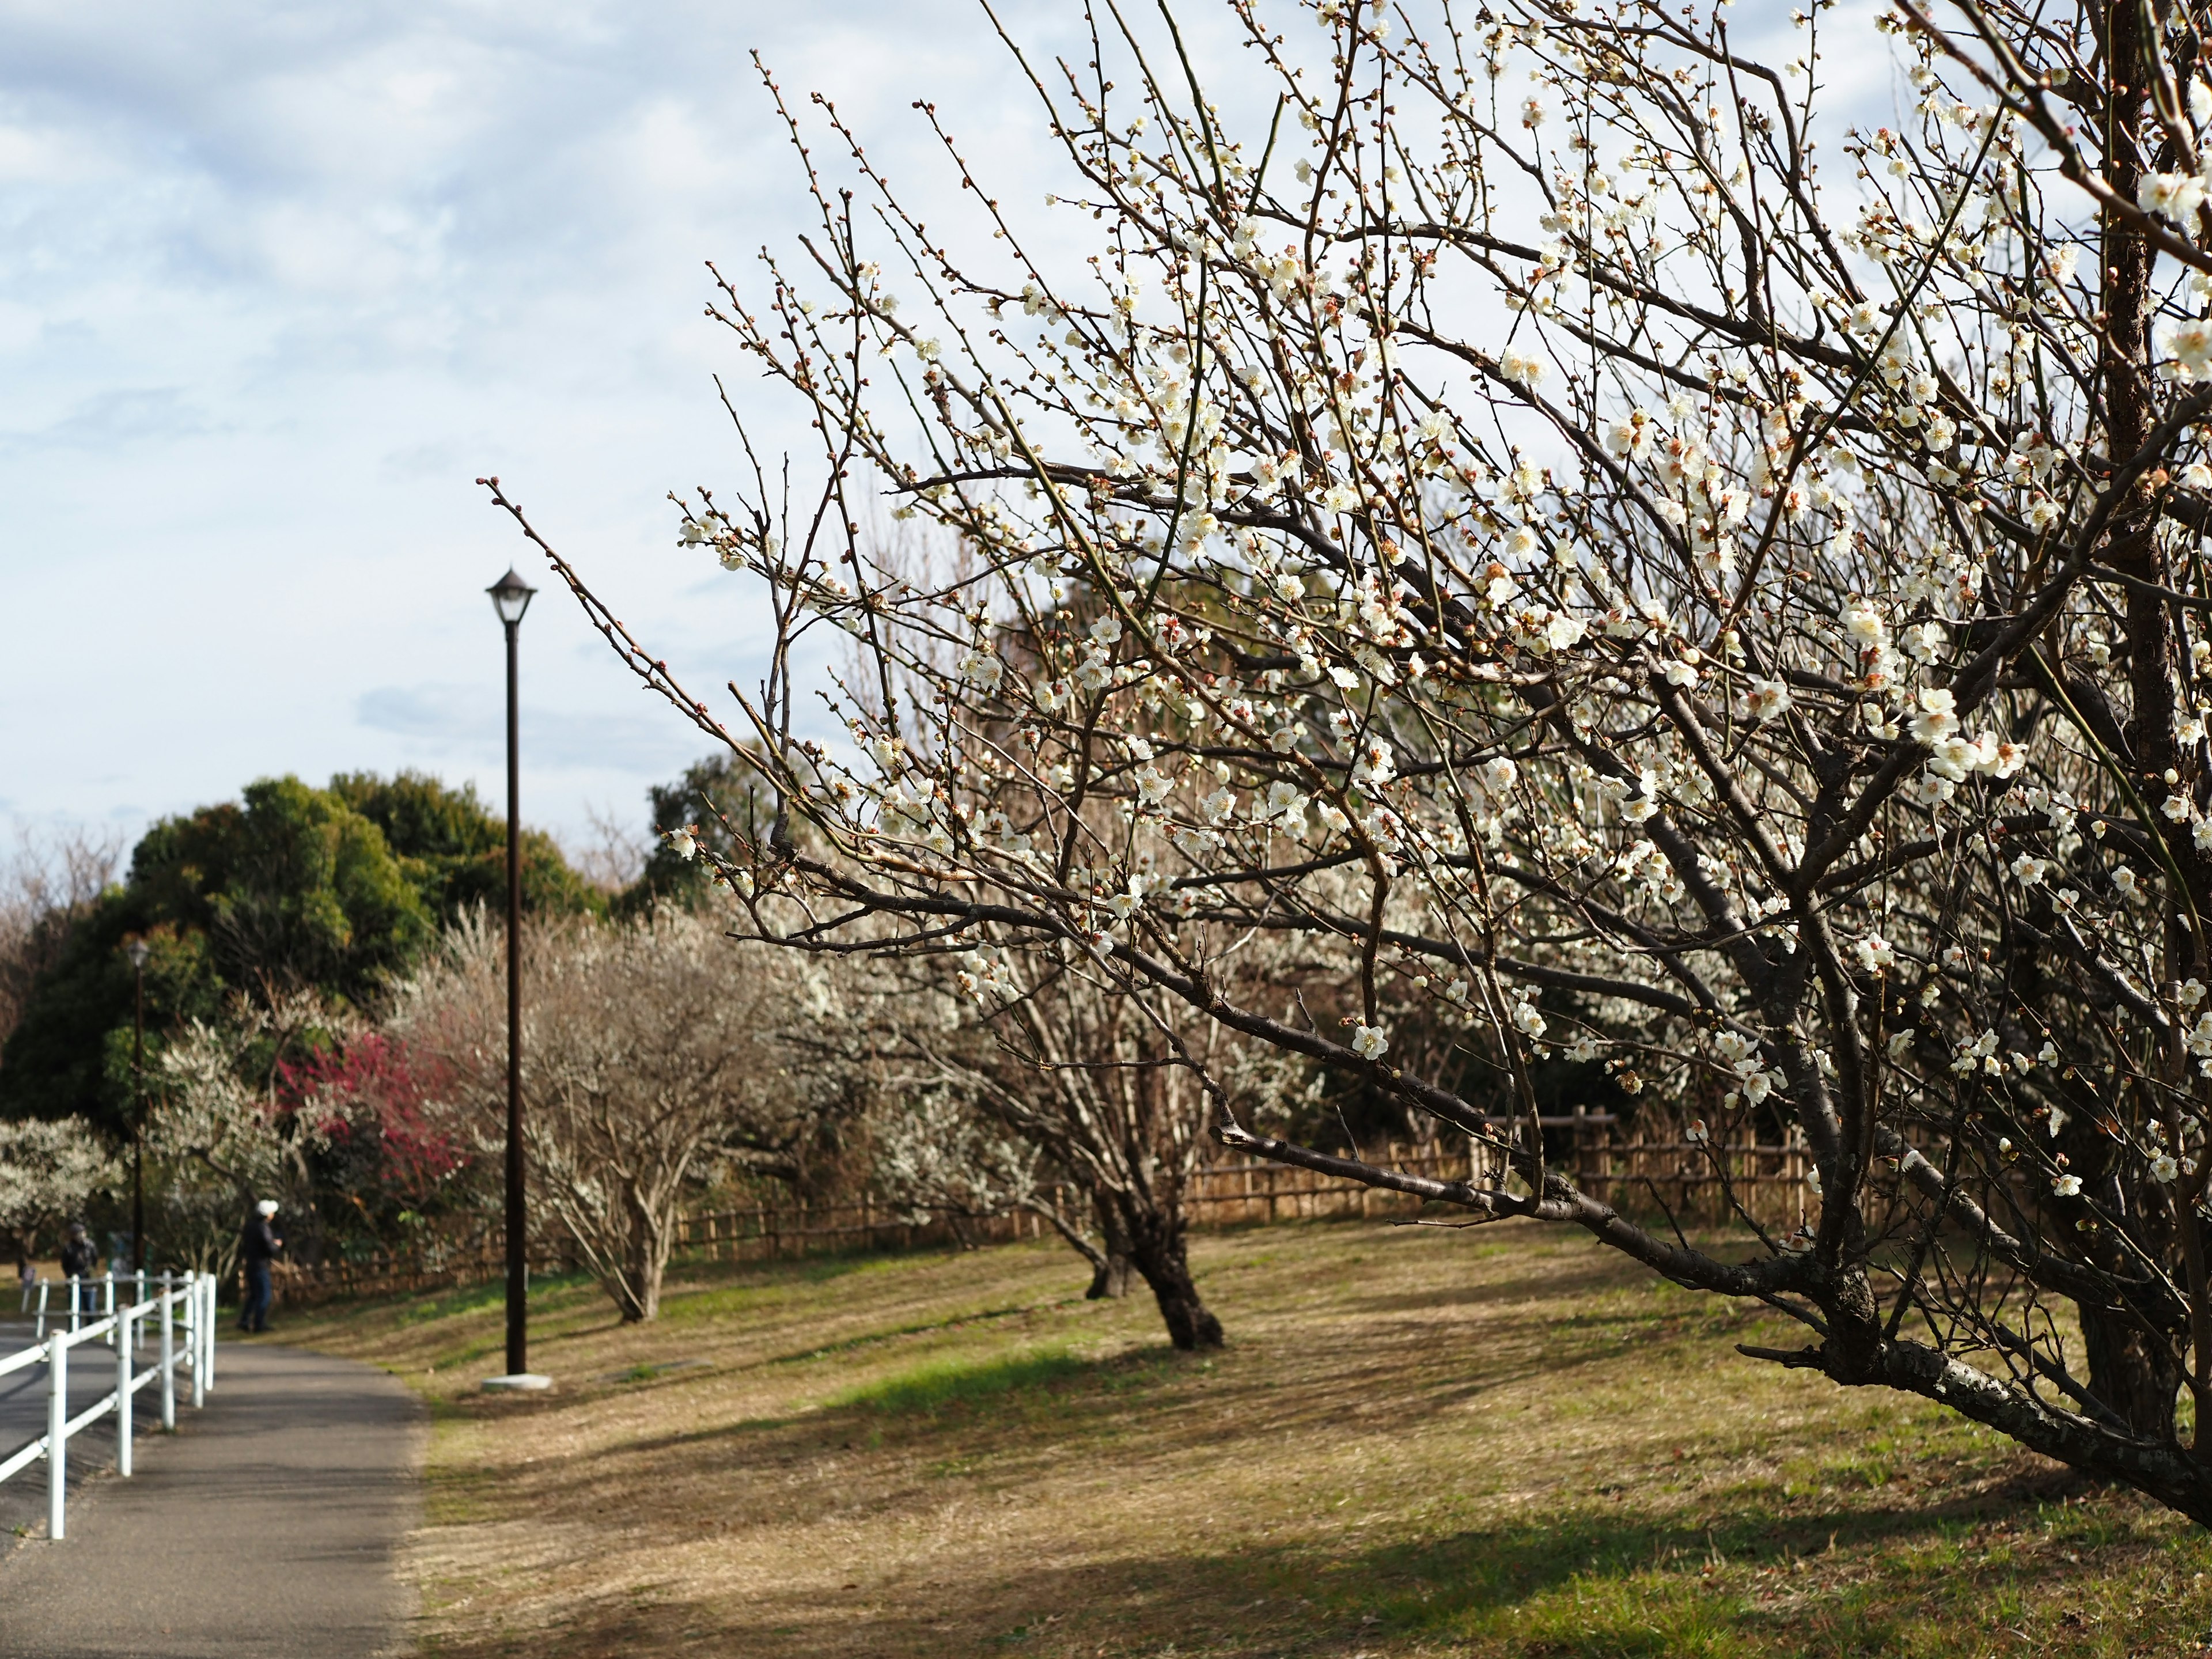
pixel 138 950
pixel 510 597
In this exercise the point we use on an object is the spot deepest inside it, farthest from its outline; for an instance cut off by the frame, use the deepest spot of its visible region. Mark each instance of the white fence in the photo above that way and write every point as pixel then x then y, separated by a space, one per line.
pixel 122 1311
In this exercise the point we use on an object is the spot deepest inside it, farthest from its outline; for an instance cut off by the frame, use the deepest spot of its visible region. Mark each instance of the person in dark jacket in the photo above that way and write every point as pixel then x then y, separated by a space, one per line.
pixel 79 1257
pixel 257 1248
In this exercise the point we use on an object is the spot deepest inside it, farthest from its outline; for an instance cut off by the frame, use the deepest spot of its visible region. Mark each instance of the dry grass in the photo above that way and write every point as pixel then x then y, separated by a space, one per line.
pixel 1419 1443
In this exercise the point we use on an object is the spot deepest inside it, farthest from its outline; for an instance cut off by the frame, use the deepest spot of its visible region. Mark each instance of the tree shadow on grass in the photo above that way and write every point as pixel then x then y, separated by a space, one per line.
pixel 1586 1582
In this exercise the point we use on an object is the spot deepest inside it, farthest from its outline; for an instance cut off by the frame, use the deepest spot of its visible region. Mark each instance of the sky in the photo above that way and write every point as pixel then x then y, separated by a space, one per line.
pixel 278 283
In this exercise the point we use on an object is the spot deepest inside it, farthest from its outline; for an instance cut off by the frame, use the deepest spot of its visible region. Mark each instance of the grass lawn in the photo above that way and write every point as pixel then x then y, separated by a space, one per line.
pixel 1419 1441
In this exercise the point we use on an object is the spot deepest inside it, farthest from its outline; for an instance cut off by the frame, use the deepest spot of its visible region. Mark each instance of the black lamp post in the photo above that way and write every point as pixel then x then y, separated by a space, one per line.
pixel 510 597
pixel 138 950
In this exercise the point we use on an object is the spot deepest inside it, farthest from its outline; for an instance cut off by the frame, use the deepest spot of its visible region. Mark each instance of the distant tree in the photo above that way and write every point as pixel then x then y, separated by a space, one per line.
pixel 379 1165
pixel 455 849
pixel 287 888
pixel 220 1134
pixel 650 1064
pixel 290 888
pixel 46 888
pixel 48 1171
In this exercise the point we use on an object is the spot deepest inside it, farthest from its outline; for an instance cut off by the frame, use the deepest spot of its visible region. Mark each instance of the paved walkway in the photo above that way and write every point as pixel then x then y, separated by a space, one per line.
pixel 23 1417
pixel 268 1529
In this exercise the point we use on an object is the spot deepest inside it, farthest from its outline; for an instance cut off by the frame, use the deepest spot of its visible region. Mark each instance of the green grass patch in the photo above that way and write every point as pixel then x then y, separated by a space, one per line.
pixel 966 1380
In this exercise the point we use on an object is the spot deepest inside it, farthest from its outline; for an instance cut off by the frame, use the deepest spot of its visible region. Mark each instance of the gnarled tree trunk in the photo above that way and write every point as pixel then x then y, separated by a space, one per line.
pixel 1158 1251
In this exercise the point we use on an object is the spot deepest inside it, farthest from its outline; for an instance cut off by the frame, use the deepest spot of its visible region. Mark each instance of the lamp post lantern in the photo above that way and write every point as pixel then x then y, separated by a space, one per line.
pixel 510 597
pixel 138 950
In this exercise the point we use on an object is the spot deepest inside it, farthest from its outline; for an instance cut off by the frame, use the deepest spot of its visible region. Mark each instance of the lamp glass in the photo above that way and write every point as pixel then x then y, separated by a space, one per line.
pixel 510 597
pixel 137 951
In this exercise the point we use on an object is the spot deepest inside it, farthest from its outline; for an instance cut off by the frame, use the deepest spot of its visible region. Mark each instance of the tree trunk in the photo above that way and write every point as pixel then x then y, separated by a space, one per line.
pixel 2130 1374
pixel 1110 1273
pixel 638 1296
pixel 1109 1279
pixel 1156 1250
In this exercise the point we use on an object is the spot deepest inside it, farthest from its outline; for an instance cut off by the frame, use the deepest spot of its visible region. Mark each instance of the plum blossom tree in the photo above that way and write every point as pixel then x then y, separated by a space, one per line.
pixel 1039 1087
pixel 1541 513
pixel 221 1133
pixel 48 1170
pixel 651 1064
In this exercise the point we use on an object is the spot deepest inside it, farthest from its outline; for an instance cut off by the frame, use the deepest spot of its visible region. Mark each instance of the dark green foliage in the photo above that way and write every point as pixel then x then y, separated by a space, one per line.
pixel 455 851
pixel 291 886
pixel 71 1052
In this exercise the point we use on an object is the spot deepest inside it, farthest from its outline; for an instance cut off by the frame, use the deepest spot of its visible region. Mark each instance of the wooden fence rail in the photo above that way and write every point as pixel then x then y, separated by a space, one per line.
pixel 1680 1177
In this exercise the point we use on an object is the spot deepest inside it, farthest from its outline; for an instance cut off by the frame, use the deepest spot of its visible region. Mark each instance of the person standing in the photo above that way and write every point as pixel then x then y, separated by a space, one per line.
pixel 257 1249
pixel 80 1256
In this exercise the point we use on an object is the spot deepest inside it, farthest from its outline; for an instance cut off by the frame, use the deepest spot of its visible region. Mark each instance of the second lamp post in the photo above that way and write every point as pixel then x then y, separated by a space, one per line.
pixel 138 950
pixel 510 597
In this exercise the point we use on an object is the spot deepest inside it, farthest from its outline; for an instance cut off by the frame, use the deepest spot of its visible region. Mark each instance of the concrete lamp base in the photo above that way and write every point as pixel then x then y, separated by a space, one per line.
pixel 520 1382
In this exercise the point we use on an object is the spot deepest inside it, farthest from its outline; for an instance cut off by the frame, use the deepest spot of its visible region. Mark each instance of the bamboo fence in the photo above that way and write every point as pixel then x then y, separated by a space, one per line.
pixel 1677 1177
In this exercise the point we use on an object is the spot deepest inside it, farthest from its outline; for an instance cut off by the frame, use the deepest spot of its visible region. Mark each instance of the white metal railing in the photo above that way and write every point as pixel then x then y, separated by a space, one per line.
pixel 184 1305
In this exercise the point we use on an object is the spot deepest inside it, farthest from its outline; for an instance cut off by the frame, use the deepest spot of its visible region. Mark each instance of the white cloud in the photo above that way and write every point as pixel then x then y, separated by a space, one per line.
pixel 283 282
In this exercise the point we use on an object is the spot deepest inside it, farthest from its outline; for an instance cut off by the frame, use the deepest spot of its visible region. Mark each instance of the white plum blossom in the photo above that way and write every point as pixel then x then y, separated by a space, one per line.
pixel 2189 346
pixel 981 670
pixel 1523 369
pixel 2176 195
pixel 1863 626
pixel 1875 954
pixel 1936 719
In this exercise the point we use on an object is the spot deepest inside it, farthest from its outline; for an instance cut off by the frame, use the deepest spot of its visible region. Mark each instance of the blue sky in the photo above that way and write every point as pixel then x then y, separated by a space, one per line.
pixel 277 283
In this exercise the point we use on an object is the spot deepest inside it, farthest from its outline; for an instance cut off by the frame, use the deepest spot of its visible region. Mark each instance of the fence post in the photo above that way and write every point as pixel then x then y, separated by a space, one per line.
pixel 168 1357
pixel 124 1356
pixel 57 1422
pixel 108 1297
pixel 196 1306
pixel 45 1286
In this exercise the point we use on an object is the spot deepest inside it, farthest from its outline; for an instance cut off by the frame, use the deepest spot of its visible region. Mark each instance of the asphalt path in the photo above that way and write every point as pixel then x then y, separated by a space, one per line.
pixel 23 1419
pixel 268 1528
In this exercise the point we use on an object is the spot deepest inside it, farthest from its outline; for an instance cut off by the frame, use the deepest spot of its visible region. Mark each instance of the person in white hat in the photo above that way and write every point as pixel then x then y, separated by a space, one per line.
pixel 257 1248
